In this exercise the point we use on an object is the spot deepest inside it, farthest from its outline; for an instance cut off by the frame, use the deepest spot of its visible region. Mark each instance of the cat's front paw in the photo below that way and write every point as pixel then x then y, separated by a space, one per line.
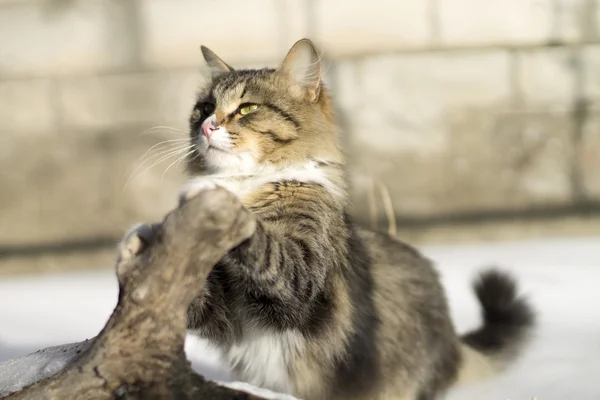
pixel 135 241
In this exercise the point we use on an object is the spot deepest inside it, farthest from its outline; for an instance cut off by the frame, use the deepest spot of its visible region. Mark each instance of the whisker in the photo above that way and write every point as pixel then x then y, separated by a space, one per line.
pixel 170 154
pixel 195 157
pixel 164 153
pixel 164 142
pixel 135 174
pixel 168 128
pixel 177 161
pixel 161 153
pixel 138 172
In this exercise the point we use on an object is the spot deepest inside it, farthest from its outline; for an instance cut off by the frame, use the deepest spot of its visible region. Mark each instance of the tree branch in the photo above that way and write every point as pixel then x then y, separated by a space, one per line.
pixel 161 269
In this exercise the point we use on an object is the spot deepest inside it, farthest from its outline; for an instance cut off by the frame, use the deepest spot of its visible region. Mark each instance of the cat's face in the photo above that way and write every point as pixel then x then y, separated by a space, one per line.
pixel 253 121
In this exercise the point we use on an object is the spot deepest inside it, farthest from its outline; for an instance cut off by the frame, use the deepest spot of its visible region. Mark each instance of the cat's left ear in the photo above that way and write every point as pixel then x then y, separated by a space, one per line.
pixel 215 63
pixel 302 66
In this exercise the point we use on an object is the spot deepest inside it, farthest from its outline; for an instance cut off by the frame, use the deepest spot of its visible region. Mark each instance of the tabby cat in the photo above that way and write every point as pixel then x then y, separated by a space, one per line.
pixel 312 305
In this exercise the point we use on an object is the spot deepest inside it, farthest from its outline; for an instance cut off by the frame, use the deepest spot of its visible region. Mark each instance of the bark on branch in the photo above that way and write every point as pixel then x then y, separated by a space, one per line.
pixel 139 354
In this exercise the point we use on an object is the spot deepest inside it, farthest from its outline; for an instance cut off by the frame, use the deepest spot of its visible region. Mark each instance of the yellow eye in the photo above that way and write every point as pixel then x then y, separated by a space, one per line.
pixel 247 109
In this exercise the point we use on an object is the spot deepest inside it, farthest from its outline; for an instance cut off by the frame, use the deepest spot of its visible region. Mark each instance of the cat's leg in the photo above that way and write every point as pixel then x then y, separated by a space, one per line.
pixel 281 271
pixel 281 276
pixel 277 284
pixel 209 316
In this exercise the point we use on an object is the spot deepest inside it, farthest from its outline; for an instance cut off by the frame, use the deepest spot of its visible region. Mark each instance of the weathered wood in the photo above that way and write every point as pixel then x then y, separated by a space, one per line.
pixel 139 354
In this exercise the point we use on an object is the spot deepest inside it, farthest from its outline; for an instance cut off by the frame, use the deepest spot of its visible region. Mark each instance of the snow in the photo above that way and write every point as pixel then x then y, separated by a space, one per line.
pixel 560 276
pixel 23 371
pixel 267 394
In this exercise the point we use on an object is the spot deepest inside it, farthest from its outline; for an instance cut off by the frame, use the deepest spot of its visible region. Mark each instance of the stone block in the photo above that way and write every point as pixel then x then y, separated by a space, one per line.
pixel 27 107
pixel 516 22
pixel 412 92
pixel 238 31
pixel 140 99
pixel 72 186
pixel 353 28
pixel 549 76
pixel 447 137
pixel 591 77
pixel 495 162
pixel 296 21
pixel 46 38
pixel 589 154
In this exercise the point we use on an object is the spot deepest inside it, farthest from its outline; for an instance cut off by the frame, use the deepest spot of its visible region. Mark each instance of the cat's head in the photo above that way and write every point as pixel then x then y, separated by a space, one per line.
pixel 253 121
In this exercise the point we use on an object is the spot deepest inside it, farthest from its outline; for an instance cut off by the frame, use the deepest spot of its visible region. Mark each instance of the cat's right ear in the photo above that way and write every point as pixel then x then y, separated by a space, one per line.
pixel 302 66
pixel 215 63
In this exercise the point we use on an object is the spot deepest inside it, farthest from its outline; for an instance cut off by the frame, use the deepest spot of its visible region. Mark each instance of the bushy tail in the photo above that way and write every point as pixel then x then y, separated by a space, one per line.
pixel 508 322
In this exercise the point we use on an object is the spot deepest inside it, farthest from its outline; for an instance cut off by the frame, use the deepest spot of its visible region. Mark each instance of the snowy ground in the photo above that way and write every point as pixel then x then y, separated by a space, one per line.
pixel 561 276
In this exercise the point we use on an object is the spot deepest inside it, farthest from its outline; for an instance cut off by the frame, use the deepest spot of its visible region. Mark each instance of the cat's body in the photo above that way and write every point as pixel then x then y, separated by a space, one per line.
pixel 311 305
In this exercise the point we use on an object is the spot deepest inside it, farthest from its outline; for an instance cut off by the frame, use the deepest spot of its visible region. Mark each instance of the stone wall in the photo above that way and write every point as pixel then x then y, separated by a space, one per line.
pixel 461 109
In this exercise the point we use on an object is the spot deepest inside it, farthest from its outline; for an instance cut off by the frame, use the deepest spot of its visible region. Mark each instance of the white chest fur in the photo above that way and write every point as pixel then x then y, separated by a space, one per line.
pixel 242 184
pixel 263 358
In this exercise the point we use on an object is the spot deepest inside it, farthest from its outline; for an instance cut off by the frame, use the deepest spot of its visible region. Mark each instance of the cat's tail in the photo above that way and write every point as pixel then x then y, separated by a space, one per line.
pixel 508 322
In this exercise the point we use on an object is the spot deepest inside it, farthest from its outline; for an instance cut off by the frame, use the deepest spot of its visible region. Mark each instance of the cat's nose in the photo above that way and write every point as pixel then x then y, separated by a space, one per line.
pixel 208 126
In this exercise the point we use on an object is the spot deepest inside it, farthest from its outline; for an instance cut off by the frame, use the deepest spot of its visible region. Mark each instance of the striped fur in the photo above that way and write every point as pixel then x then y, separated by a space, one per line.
pixel 311 305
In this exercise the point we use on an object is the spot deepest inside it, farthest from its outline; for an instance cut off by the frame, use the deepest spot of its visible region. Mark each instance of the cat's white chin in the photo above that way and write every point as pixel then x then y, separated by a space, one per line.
pixel 223 161
pixel 220 158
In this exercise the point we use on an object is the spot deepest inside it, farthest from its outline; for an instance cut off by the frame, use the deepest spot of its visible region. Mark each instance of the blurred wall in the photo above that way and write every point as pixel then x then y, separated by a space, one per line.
pixel 454 110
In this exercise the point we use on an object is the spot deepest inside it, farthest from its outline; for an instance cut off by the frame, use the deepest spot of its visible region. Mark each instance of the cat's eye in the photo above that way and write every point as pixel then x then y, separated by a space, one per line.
pixel 207 108
pixel 246 109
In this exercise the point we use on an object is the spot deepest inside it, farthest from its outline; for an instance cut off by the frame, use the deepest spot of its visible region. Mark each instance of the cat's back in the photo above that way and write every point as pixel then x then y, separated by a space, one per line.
pixel 397 267
pixel 385 249
pixel 409 299
pixel 402 276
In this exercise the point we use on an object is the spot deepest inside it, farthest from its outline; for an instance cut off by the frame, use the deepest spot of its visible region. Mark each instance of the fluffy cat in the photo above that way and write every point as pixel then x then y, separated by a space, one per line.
pixel 311 305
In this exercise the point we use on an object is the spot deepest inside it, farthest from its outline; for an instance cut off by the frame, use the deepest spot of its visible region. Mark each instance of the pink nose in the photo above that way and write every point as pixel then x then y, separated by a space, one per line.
pixel 208 126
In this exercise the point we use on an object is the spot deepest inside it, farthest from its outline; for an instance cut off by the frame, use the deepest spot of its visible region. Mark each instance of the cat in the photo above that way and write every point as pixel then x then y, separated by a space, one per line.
pixel 312 305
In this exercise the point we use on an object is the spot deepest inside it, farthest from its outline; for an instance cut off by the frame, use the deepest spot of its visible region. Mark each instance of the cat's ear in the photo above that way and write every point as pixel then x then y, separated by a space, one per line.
pixel 302 65
pixel 215 63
